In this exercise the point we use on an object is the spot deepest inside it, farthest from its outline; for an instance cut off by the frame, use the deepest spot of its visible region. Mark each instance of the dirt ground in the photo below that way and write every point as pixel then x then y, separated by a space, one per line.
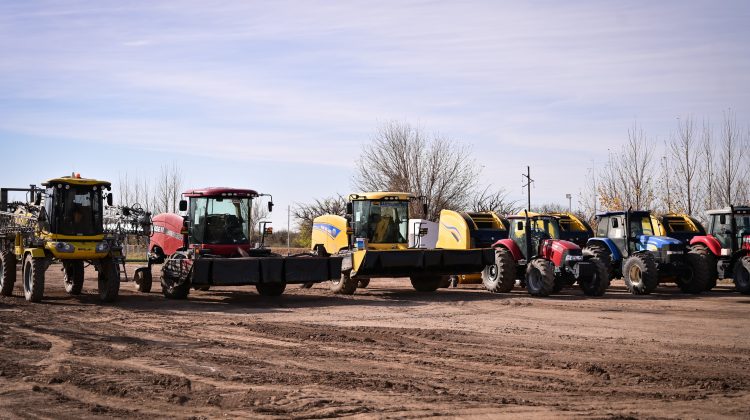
pixel 387 352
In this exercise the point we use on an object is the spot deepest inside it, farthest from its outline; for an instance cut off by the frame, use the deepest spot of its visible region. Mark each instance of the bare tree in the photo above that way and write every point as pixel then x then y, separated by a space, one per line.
pixel 685 160
pixel 707 175
pixel 401 158
pixel 627 180
pixel 497 201
pixel 731 174
pixel 168 189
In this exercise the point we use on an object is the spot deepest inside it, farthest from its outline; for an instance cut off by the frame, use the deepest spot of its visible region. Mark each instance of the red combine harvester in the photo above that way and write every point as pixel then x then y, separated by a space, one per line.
pixel 210 246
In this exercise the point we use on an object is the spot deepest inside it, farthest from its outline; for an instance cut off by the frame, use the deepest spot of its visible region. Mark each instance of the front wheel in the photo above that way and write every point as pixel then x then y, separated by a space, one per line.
pixel 362 284
pixel 597 282
pixel 270 289
pixel 73 273
pixel 540 277
pixel 501 276
pixel 696 274
pixel 109 280
pixel 640 274
pixel 426 283
pixel 345 285
pixel 713 272
pixel 143 279
pixel 742 275
pixel 33 278
pixel 7 273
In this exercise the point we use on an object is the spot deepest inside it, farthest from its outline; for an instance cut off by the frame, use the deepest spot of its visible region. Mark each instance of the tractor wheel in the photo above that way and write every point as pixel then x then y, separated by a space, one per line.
pixel 345 285
pixel 640 274
pixel 270 289
pixel 501 276
pixel 425 283
pixel 109 280
pixel 7 273
pixel 73 273
pixel 540 277
pixel 696 276
pixel 33 278
pixel 713 273
pixel 742 275
pixel 560 283
pixel 143 279
pixel 597 284
pixel 603 254
pixel 172 287
pixel 362 284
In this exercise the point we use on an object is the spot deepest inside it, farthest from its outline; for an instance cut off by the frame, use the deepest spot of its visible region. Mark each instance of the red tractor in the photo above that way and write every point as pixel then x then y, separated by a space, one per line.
pixel 546 264
pixel 210 246
pixel 727 246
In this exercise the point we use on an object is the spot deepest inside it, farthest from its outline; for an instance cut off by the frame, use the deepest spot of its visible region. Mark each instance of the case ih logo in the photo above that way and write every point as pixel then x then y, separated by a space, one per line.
pixel 165 231
pixel 330 230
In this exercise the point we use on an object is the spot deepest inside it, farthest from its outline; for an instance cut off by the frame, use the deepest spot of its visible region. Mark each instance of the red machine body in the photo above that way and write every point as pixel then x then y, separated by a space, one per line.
pixel 169 234
pixel 555 250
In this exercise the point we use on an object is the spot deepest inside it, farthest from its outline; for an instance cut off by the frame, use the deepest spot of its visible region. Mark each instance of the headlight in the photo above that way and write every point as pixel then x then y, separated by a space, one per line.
pixel 64 247
pixel 674 252
pixel 725 252
pixel 574 258
pixel 102 247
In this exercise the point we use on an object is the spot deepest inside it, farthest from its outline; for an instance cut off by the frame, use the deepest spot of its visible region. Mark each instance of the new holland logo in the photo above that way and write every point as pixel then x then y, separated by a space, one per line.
pixel 453 231
pixel 330 230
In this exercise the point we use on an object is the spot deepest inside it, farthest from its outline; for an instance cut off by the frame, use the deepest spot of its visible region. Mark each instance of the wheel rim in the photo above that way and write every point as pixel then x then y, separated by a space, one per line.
pixel 635 274
pixel 27 276
pixel 493 272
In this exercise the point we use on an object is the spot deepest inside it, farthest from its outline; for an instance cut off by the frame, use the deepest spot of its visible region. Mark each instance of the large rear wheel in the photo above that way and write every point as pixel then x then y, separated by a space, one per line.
pixel 33 278
pixel 640 274
pixel 73 273
pixel 344 285
pixel 109 280
pixel 7 273
pixel 270 289
pixel 501 276
pixel 742 275
pixel 597 282
pixel 695 276
pixel 426 282
pixel 540 277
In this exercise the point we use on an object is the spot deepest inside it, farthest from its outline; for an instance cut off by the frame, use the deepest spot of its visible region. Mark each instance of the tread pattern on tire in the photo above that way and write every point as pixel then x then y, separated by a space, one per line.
pixel 546 272
pixel 600 283
pixel 8 275
pixel 108 280
pixel 33 290
pixel 143 279
pixel 713 272
pixel 425 283
pixel 742 275
pixel 270 289
pixel 505 270
pixel 603 254
pixel 649 274
pixel 73 277
pixel 697 264
pixel 346 284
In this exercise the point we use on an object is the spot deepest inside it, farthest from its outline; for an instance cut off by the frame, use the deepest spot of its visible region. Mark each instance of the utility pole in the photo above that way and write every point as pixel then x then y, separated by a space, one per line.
pixel 288 225
pixel 527 185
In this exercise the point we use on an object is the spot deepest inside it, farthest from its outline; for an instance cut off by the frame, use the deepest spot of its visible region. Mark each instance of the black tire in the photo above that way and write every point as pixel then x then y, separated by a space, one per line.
pixel 33 278
pixel 7 273
pixel 603 254
pixel 143 279
pixel 560 283
pixel 73 276
pixel 598 283
pixel 695 277
pixel 108 280
pixel 345 285
pixel 362 284
pixel 540 277
pixel 711 262
pixel 742 275
pixel 270 289
pixel 501 276
pixel 426 283
pixel 640 274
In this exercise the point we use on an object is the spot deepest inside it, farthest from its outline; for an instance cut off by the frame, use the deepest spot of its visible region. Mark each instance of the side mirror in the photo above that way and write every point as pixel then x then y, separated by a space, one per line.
pixel 109 199
pixel 270 206
pixel 349 209
pixel 424 210
pixel 269 231
pixel 183 205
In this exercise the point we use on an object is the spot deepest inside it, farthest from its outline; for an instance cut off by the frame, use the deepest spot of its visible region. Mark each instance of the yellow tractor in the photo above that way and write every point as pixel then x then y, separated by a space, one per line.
pixel 467 230
pixel 373 241
pixel 62 222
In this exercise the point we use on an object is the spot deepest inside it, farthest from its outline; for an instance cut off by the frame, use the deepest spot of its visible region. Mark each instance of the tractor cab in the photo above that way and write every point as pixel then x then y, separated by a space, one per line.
pixel 381 220
pixel 73 207
pixel 731 228
pixel 537 228
pixel 633 231
pixel 573 228
pixel 218 221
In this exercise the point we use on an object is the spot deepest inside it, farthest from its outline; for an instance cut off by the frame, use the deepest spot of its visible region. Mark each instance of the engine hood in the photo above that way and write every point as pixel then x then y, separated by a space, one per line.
pixel 655 243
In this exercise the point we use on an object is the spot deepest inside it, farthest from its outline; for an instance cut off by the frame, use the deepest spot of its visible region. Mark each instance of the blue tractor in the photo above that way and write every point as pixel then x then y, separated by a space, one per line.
pixel 643 260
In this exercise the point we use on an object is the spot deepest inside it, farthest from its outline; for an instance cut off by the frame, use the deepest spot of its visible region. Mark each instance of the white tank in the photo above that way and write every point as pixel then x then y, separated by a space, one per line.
pixel 422 233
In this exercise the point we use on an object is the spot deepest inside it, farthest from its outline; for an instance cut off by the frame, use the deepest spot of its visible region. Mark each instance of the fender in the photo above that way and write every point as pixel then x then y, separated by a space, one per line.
pixel 710 242
pixel 510 246
pixel 554 250
pixel 616 255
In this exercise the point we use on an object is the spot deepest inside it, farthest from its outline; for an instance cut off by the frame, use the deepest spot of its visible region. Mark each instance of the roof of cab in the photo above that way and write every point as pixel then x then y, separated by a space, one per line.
pixel 76 180
pixel 727 210
pixel 220 192
pixel 380 195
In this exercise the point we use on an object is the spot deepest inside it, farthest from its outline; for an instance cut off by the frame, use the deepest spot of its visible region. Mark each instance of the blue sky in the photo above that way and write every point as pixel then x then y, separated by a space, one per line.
pixel 281 96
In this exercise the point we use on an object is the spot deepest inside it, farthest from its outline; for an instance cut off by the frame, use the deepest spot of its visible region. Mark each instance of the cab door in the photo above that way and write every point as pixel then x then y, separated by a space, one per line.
pixel 616 232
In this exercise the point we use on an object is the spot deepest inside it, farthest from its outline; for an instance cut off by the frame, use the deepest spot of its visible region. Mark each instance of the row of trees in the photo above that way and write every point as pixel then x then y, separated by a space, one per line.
pixel 701 167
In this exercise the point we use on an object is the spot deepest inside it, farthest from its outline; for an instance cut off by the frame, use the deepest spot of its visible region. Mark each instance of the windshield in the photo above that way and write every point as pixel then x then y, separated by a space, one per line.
pixel 641 225
pixel 219 220
pixel 381 222
pixel 545 225
pixel 74 210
